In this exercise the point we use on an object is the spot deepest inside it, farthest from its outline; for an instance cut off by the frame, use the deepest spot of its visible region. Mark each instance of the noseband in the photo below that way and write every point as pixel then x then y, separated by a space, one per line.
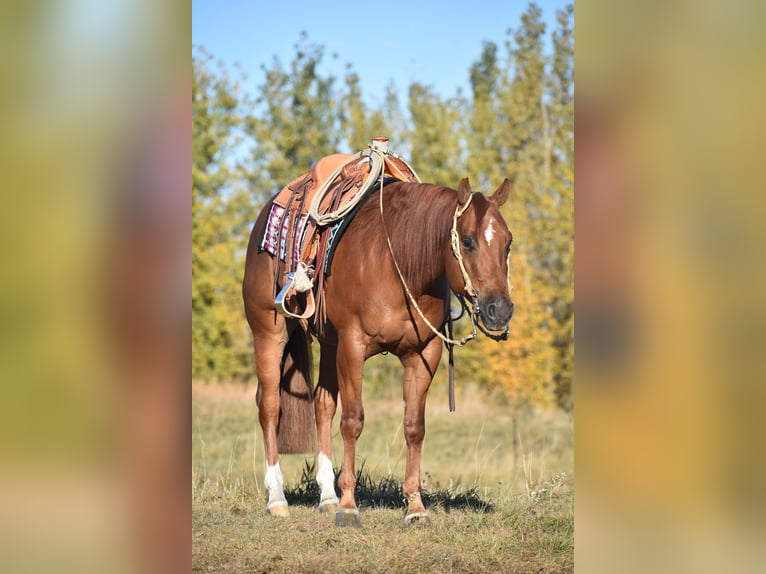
pixel 469 288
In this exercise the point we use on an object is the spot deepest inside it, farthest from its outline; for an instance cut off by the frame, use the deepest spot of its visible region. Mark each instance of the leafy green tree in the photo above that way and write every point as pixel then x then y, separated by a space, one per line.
pixel 435 136
pixel 395 122
pixel 520 126
pixel 358 123
pixel 535 101
pixel 517 122
pixel 561 128
pixel 296 120
pixel 484 160
pixel 220 344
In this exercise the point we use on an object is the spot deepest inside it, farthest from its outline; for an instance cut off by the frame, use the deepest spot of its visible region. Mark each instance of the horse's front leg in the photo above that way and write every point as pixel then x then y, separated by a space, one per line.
pixel 325 403
pixel 419 370
pixel 350 365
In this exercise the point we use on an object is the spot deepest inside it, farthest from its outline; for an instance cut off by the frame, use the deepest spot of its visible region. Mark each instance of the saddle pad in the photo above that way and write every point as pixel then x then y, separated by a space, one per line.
pixel 332 243
pixel 271 233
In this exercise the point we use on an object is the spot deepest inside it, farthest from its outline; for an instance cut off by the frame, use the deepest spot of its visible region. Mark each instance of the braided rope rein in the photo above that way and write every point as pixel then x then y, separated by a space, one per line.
pixel 376 169
pixel 377 159
pixel 454 242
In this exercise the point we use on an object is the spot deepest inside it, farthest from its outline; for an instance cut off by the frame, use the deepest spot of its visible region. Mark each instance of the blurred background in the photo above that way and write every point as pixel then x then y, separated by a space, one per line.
pixel 669 220
pixel 94 292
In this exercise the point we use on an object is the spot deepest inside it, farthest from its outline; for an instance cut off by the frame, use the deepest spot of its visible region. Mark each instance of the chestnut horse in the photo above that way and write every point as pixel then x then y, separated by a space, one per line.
pixel 392 268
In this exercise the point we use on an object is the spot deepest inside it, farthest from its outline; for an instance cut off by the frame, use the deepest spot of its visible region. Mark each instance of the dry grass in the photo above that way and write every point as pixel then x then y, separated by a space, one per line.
pixel 500 492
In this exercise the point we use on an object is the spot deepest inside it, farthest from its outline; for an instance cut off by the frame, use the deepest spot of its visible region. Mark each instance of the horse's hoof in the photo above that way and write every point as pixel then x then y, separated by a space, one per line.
pixel 417 519
pixel 280 509
pixel 328 507
pixel 347 517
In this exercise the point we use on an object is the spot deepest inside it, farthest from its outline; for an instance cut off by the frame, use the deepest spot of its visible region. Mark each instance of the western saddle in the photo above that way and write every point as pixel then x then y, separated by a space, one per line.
pixel 307 218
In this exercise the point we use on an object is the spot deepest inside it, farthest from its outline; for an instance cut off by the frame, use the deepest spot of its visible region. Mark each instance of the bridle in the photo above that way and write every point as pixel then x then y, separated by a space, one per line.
pixel 473 312
pixel 455 244
pixel 469 288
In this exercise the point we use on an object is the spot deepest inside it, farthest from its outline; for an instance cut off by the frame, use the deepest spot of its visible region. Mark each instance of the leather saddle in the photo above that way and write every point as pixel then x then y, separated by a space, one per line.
pixel 304 214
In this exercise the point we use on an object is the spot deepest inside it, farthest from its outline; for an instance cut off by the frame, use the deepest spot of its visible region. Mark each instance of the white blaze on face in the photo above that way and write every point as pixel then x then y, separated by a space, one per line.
pixel 489 232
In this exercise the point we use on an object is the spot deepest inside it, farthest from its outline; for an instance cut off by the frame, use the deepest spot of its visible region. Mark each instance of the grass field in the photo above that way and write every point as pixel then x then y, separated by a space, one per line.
pixel 500 490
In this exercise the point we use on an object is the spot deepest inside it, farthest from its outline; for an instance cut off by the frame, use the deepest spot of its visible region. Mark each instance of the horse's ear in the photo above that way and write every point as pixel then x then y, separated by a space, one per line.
pixel 463 191
pixel 501 194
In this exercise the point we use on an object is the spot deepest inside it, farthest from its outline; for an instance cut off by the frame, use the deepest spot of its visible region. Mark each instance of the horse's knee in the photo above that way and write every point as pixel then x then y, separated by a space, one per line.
pixel 414 431
pixel 351 424
pixel 267 400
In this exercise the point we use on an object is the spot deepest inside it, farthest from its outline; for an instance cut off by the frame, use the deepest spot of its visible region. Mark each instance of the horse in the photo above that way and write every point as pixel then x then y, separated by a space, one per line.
pixel 388 291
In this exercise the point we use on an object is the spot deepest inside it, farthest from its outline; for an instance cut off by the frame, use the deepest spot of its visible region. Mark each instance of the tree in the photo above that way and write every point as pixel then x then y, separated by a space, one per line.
pixel 297 120
pixel 358 123
pixel 435 136
pixel 484 161
pixel 521 127
pixel 536 104
pixel 220 343
pixel 561 127
pixel 517 122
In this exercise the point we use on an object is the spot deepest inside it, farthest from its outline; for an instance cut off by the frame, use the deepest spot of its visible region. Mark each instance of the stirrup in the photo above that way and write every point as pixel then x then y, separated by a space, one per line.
pixel 287 292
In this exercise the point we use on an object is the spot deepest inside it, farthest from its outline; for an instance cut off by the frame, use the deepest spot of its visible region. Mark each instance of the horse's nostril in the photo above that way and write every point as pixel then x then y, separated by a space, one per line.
pixel 492 310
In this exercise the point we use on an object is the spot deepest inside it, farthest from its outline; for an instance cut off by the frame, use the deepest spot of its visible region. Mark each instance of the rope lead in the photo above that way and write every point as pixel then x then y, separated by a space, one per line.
pixel 434 330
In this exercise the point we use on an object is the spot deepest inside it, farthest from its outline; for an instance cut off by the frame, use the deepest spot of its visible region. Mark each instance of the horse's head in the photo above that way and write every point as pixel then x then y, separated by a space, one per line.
pixel 483 242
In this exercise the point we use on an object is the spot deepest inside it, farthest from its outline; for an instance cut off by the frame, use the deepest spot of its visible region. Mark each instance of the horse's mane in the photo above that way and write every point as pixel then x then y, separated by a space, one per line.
pixel 418 217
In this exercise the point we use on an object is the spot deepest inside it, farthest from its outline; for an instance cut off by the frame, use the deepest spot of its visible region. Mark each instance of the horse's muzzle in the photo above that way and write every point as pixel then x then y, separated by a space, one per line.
pixel 496 313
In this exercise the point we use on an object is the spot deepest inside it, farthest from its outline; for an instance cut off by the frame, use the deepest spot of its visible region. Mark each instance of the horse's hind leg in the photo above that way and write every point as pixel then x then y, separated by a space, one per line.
pixel 269 343
pixel 350 361
pixel 419 370
pixel 325 404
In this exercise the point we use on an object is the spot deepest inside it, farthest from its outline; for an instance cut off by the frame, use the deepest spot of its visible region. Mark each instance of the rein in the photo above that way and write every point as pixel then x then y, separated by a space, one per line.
pixel 473 313
pixel 469 285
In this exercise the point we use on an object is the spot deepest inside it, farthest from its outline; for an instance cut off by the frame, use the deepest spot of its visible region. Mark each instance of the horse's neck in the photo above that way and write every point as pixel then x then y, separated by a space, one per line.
pixel 424 243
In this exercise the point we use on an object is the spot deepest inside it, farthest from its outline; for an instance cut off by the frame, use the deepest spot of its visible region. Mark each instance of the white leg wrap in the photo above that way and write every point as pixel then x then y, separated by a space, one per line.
pixel 326 480
pixel 275 485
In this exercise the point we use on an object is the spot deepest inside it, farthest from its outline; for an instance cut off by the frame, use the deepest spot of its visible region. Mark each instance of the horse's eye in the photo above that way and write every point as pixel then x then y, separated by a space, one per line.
pixel 468 243
pixel 508 247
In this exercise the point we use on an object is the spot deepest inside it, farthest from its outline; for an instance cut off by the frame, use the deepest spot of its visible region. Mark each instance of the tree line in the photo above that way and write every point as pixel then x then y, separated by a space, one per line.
pixel 516 121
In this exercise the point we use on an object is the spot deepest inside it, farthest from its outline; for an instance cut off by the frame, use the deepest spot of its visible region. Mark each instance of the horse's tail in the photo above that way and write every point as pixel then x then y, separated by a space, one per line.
pixel 296 432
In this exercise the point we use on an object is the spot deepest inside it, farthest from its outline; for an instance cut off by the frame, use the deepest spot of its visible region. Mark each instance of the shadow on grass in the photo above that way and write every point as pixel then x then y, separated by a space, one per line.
pixel 386 492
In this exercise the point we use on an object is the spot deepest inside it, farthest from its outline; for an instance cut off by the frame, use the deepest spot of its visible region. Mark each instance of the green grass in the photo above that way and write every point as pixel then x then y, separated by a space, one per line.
pixel 499 490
